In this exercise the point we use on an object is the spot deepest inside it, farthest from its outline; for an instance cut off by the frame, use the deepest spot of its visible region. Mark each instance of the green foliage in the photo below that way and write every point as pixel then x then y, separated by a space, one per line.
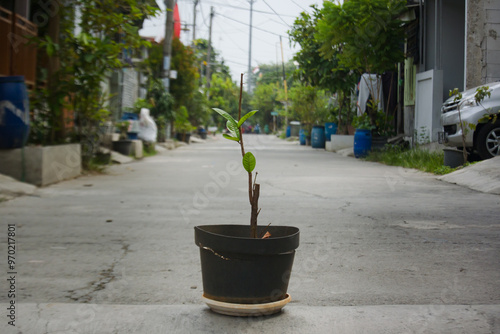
pixel 79 63
pixel 363 122
pixel 479 96
pixel 122 127
pixel 383 124
pixel 323 71
pixel 266 99
pixel 366 35
pixel 308 104
pixel 181 123
pixel 424 160
pixel 162 102
pixel 223 94
pixel 184 62
pixel 273 73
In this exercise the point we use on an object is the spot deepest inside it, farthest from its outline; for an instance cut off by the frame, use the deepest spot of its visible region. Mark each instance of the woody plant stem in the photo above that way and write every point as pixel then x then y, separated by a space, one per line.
pixel 253 190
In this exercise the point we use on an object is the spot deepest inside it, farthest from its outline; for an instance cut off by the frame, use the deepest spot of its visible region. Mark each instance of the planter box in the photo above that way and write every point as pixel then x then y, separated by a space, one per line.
pixel 453 157
pixel 42 165
pixel 340 142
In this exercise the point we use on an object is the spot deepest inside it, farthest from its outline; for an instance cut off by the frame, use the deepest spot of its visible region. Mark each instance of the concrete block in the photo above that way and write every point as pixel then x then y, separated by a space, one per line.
pixel 120 158
pixel 340 142
pixel 137 148
pixel 42 165
pixel 328 146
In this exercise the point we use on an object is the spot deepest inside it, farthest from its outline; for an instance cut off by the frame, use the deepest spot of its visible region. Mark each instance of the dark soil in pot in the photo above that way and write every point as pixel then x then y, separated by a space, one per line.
pixel 239 269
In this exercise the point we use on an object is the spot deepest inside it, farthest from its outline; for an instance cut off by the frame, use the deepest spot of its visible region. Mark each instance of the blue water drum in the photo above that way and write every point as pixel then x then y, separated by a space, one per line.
pixel 14 112
pixel 288 131
pixel 330 129
pixel 362 143
pixel 302 137
pixel 318 136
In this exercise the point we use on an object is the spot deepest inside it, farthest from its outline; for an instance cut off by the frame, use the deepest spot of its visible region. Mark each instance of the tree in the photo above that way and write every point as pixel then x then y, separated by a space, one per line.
pixel 108 28
pixel 318 70
pixel 309 104
pixel 184 62
pixel 367 33
pixel 273 73
pixel 265 99
pixel 365 36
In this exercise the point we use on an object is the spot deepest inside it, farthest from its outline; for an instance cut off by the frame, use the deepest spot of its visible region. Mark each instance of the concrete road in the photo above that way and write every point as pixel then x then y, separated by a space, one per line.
pixel 383 249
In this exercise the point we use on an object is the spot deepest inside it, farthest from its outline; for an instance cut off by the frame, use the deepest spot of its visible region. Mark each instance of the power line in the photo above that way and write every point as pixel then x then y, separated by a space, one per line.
pixel 275 13
pixel 269 32
pixel 247 9
pixel 298 6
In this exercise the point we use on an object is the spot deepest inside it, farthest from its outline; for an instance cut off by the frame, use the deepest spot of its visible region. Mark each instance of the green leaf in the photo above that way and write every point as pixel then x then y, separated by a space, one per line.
pixel 249 162
pixel 230 137
pixel 233 128
pixel 226 116
pixel 247 116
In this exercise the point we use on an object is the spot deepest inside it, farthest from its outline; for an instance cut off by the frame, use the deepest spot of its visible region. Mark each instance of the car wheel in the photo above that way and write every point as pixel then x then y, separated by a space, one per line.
pixel 488 140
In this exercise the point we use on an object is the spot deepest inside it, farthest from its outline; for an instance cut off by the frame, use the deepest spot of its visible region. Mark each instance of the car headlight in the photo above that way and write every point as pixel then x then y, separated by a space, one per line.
pixel 470 102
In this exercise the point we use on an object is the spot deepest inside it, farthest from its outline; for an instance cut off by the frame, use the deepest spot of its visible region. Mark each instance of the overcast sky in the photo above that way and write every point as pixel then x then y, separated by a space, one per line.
pixel 230 28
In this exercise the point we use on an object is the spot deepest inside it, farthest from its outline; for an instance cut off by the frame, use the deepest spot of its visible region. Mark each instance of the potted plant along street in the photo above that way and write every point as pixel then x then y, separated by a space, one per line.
pixel 246 268
pixel 123 145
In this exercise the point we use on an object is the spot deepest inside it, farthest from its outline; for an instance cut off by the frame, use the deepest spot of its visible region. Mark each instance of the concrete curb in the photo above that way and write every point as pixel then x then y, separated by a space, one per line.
pixel 103 318
pixel 10 188
pixel 483 176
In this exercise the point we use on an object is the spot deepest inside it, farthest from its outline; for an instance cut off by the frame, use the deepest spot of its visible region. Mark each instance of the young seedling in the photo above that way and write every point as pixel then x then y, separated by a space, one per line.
pixel 248 159
pixel 479 96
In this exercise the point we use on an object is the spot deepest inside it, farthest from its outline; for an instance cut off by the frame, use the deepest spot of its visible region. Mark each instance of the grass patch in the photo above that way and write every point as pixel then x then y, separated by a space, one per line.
pixel 421 159
pixel 149 150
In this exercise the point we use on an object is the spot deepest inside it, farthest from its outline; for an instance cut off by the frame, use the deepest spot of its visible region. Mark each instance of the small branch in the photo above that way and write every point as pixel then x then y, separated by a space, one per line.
pixel 255 210
pixel 264 231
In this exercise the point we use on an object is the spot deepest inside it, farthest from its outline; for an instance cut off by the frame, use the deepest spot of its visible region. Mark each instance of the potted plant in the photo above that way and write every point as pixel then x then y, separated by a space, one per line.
pixel 183 126
pixel 383 130
pixel 246 268
pixel 123 145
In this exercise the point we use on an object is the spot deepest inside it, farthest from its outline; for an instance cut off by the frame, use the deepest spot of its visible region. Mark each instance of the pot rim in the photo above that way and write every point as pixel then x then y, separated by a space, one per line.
pixel 210 237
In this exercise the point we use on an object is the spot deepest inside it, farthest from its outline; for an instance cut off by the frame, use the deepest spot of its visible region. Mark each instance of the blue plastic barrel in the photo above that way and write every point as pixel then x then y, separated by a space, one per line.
pixel 288 131
pixel 318 136
pixel 362 142
pixel 302 137
pixel 330 129
pixel 14 112
pixel 130 116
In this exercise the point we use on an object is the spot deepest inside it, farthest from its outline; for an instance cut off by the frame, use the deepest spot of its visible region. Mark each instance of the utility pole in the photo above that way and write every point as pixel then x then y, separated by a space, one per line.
pixel 284 83
pixel 249 79
pixel 167 52
pixel 167 43
pixel 194 19
pixel 209 52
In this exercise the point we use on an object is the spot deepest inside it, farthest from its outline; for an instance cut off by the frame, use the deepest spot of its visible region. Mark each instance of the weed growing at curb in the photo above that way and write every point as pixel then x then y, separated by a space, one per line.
pixel 421 159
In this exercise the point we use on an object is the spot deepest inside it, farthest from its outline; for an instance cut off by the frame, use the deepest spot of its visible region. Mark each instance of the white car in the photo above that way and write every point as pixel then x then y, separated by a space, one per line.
pixel 485 138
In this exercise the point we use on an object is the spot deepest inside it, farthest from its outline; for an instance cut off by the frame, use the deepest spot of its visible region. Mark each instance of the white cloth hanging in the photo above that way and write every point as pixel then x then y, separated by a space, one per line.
pixel 147 127
pixel 370 84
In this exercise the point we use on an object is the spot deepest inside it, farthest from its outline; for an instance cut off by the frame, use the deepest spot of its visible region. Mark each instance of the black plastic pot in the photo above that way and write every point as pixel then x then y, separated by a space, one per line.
pixel 379 142
pixel 242 270
pixel 123 146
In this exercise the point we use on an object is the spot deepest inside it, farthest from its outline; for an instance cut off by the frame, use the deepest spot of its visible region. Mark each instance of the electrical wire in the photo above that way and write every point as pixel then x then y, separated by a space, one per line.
pixel 276 13
pixel 253 27
pixel 299 6
pixel 246 9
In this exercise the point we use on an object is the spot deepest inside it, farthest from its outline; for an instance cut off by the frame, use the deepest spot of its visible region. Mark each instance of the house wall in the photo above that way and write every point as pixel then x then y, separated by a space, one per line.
pixel 130 87
pixel 445 42
pixel 483 42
